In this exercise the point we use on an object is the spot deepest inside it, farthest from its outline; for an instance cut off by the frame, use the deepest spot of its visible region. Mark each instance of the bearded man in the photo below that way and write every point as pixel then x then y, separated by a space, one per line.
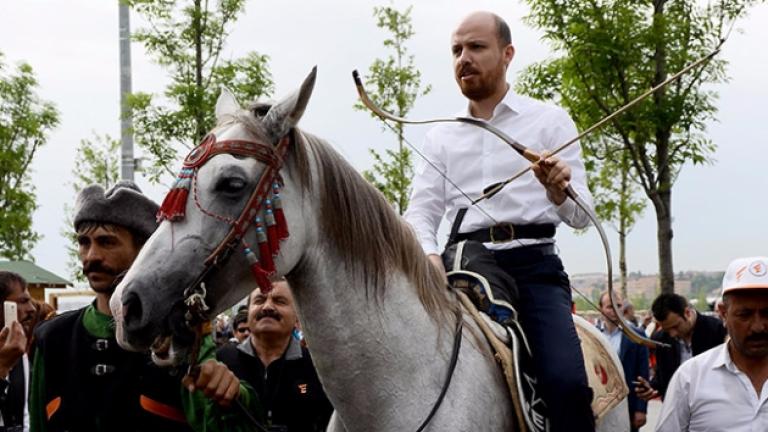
pixel 523 216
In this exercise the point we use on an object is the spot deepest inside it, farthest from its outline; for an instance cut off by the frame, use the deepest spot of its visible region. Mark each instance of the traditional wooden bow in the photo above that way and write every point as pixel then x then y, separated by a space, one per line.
pixel 534 157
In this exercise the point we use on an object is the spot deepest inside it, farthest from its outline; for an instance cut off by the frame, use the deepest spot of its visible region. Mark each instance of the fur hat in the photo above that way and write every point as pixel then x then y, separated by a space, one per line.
pixel 123 205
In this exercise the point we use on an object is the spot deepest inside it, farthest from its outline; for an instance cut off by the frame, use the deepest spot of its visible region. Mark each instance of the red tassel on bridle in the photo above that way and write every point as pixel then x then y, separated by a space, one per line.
pixel 261 275
pixel 175 203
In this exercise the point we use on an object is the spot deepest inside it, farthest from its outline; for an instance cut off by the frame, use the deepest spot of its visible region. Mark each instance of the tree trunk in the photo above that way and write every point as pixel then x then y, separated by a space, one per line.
pixel 661 195
pixel 662 203
pixel 624 214
pixel 623 263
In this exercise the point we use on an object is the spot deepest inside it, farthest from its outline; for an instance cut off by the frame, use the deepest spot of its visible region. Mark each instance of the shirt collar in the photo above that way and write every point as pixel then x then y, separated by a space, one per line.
pixel 293 352
pixel 510 102
pixel 723 359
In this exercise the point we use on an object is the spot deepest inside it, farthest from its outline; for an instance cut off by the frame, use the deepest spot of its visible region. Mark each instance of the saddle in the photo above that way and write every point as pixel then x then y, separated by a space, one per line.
pixel 471 275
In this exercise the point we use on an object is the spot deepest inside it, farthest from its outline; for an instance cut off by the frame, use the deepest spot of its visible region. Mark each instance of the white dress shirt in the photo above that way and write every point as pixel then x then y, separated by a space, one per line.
pixel 710 394
pixel 473 158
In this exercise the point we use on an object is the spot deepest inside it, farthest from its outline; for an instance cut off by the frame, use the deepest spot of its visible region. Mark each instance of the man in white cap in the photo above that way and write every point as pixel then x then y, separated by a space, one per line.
pixel 724 388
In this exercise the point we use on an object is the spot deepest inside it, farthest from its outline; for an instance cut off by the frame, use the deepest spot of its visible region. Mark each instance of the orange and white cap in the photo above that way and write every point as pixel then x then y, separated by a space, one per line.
pixel 746 273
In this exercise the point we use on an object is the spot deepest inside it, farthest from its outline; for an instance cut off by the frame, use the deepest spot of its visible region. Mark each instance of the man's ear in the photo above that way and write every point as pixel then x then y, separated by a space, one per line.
pixel 509 54
pixel 721 311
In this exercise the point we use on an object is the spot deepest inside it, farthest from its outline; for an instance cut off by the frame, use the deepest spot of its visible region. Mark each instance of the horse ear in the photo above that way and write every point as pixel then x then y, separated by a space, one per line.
pixel 226 105
pixel 285 115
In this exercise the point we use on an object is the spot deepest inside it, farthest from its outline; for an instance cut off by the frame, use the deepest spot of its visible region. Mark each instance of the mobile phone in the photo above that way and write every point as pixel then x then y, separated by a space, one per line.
pixel 643 384
pixel 11 313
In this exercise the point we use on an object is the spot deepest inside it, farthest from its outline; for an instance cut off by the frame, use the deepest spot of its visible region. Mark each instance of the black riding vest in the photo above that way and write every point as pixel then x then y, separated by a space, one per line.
pixel 92 384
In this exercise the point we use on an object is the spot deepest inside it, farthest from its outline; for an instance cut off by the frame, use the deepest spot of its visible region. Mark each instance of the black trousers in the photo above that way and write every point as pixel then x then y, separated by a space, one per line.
pixel 545 315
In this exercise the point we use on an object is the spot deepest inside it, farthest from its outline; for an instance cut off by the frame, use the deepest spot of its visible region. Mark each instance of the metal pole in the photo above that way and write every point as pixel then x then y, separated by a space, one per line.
pixel 126 120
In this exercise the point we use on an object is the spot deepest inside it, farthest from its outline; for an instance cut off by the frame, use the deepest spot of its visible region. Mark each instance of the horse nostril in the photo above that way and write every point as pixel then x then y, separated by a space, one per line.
pixel 132 311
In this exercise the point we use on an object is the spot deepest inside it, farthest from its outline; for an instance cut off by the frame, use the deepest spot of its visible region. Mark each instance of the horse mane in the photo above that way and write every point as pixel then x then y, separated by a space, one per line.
pixel 357 220
pixel 363 229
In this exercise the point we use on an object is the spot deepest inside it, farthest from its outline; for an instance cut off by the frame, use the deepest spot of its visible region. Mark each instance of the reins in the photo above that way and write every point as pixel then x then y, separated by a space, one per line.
pixel 451 369
pixel 269 232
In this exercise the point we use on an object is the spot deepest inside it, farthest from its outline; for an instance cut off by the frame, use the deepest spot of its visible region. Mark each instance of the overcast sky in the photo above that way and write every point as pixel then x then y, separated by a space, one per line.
pixel 73 47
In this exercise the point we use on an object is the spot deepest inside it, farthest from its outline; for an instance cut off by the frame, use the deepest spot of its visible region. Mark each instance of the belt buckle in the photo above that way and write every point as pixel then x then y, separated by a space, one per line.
pixel 101 369
pixel 492 233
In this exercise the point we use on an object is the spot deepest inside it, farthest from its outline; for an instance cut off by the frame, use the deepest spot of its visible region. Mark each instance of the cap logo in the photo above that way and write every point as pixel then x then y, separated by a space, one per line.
pixel 757 268
pixel 740 273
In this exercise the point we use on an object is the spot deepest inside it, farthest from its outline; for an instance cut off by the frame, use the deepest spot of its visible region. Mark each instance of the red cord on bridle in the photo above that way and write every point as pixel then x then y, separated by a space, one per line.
pixel 263 210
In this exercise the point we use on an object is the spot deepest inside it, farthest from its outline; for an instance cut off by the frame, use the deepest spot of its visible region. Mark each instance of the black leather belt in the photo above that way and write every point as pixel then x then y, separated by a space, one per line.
pixel 505 232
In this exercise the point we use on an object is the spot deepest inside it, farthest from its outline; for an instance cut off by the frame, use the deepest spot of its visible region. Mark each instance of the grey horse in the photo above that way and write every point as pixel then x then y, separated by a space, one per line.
pixel 374 311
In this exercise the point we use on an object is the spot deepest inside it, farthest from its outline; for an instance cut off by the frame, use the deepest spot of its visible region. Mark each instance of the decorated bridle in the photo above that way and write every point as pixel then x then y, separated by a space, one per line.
pixel 263 211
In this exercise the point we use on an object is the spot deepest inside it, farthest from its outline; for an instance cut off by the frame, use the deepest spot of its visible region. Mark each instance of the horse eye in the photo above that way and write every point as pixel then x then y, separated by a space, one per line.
pixel 231 185
pixel 261 110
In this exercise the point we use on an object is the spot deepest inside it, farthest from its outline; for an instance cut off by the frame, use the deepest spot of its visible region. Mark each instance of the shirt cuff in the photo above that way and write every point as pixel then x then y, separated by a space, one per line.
pixel 566 210
pixel 430 249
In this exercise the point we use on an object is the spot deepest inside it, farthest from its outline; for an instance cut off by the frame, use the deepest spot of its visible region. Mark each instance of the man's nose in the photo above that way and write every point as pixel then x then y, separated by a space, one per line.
pixel 759 325
pixel 93 253
pixel 27 309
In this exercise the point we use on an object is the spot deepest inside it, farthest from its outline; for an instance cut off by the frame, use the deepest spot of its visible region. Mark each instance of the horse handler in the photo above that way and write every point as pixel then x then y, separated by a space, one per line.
pixel 528 210
pixel 83 381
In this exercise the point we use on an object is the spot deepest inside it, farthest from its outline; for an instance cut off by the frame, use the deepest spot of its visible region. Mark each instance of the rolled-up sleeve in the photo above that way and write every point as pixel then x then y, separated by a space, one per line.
pixel 569 212
pixel 427 204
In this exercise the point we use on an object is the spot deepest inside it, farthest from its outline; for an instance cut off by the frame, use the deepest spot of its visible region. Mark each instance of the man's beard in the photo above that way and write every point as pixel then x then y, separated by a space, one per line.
pixel 485 85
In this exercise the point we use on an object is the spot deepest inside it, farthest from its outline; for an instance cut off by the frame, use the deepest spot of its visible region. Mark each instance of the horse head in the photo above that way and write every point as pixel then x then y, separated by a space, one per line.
pixel 212 244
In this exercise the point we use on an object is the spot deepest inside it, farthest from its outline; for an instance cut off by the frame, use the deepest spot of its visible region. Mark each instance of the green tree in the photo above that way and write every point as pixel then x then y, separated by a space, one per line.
pixel 186 38
pixel 610 51
pixel 398 83
pixel 25 122
pixel 616 199
pixel 97 162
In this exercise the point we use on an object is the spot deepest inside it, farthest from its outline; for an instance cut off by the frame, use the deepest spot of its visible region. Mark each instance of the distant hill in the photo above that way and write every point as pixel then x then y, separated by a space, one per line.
pixel 642 289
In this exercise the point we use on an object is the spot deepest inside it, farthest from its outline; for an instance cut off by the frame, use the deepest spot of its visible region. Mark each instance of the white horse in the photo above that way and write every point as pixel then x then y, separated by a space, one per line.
pixel 375 313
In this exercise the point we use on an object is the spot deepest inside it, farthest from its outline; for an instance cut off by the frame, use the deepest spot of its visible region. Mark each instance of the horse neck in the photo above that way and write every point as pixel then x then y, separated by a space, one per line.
pixel 373 352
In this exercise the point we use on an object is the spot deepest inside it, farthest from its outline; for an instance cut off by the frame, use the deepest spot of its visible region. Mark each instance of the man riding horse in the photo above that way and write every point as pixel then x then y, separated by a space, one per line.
pixel 518 224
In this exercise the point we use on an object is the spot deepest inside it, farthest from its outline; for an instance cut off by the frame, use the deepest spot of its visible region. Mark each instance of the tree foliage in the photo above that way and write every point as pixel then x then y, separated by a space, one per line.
pixel 187 39
pixel 97 162
pixel 609 52
pixel 397 84
pixel 25 122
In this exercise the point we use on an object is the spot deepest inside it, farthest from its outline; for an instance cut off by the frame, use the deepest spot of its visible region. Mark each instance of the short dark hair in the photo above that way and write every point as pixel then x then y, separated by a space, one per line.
pixel 666 303
pixel 7 280
pixel 239 318
pixel 138 238
pixel 502 31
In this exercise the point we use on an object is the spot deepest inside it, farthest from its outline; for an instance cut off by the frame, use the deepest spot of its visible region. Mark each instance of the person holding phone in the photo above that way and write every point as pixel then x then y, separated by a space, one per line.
pixel 687 334
pixel 14 365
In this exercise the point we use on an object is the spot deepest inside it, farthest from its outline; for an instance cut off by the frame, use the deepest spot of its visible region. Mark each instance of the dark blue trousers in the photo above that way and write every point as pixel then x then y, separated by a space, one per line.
pixel 545 315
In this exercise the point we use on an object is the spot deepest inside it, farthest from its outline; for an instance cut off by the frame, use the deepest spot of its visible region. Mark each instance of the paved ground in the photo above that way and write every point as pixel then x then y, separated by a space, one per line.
pixel 654 408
